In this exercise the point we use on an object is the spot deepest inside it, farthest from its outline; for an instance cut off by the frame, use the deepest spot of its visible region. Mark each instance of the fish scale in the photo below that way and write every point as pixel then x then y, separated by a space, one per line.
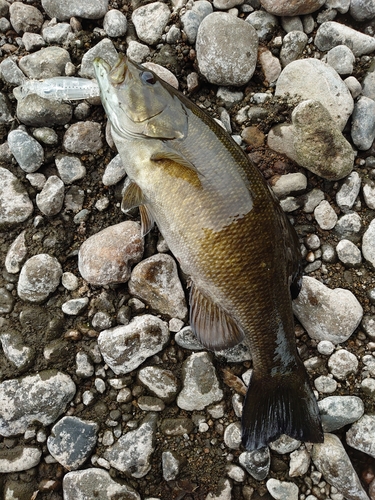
pixel 226 229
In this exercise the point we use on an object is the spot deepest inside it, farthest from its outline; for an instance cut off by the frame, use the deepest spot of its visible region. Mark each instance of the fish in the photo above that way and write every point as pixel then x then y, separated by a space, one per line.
pixel 226 229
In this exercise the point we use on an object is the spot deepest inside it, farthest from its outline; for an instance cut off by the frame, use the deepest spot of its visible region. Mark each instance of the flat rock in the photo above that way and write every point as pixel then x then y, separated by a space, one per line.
pixel 311 79
pixel 295 8
pixel 282 490
pixel 90 9
pixel 348 192
pixel 155 281
pixel 16 205
pixel 16 254
pixel 338 411
pixel 327 314
pixel 341 58
pixel 36 111
pixel 114 171
pixel 19 458
pixel 126 347
pixel 330 34
pixel 39 278
pixel 325 215
pixel 222 59
pixel 150 20
pixel 29 400
pixel 45 63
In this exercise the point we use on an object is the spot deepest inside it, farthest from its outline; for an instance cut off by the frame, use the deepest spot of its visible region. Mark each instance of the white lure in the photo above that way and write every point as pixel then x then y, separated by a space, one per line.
pixel 59 88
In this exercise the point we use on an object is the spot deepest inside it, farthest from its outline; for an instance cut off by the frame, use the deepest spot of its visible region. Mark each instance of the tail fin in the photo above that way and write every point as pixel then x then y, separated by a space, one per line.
pixel 282 404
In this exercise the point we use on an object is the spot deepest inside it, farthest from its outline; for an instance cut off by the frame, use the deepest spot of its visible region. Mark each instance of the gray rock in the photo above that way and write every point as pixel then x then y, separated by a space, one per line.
pixel 236 473
pixel 19 458
pixel 284 444
pixel 83 137
pixel 15 350
pixel 368 85
pixel 29 400
pixel 348 192
pixel 176 426
pixel 56 33
pixel 193 18
pixel 282 490
pixel 10 72
pixel 313 80
pixel 33 41
pixel 289 183
pixel 295 8
pixel 50 200
pixel 5 111
pixel 349 225
pixel 341 6
pixel 369 193
pixel 39 277
pixel 174 34
pixel 328 253
pixel 232 436
pixel 348 253
pixel 362 10
pixel 25 18
pixel 16 254
pixel 155 281
pixel 70 169
pixel 291 23
pixel 368 324
pixel 74 307
pixel 363 123
pixel 96 483
pixel 325 216
pixel 200 384
pixel 160 382
pixel 327 314
pixel 106 257
pixel 342 363
pixel 361 435
pixel 341 58
pixel 338 411
pixel 293 46
pixel 150 403
pixel 353 85
pixel 368 244
pixel 186 339
pixel 6 301
pixel 115 23
pixel 331 459
pixel 222 59
pixel 90 9
pixel 312 200
pixel 171 464
pixel 330 34
pixel 368 387
pixel 16 205
pixel 325 385
pixel 150 21
pixel 114 171
pixel 26 150
pixel 35 111
pixel 45 63
pixel 271 68
pixel 257 463
pixel 299 463
pixel 104 49
pixel 46 135
pixel 126 347
pixel 132 452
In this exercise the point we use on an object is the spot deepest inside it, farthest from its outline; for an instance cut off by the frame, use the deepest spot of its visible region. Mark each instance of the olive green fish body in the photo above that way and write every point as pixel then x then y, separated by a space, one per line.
pixel 230 236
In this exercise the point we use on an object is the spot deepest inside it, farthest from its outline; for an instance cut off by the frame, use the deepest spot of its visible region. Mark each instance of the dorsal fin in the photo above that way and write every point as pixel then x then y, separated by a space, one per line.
pixel 213 327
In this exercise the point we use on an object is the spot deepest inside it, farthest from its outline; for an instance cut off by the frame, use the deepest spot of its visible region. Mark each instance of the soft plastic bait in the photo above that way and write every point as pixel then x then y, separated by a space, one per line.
pixel 59 88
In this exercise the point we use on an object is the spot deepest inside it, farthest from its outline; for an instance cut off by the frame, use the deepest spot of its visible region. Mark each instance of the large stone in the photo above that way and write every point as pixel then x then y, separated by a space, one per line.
pixel 330 34
pixel 89 9
pixel 291 8
pixel 15 204
pixel 39 277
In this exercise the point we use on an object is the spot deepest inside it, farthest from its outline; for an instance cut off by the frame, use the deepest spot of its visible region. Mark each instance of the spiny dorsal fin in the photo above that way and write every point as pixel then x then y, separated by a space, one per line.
pixel 147 220
pixel 173 156
pixel 133 197
pixel 213 327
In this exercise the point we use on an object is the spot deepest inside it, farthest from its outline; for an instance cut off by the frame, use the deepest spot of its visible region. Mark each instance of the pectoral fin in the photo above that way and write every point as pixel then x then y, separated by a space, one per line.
pixel 213 327
pixel 132 197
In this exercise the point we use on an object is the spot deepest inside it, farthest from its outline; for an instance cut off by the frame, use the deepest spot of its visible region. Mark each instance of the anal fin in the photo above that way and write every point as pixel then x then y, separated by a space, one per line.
pixel 213 326
pixel 147 220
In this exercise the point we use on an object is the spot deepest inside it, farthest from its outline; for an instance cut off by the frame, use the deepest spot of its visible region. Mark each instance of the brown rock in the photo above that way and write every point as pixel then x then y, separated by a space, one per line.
pixel 253 136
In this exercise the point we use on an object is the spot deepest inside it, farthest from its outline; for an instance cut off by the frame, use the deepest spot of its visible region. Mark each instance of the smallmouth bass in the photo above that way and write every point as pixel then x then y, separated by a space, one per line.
pixel 225 227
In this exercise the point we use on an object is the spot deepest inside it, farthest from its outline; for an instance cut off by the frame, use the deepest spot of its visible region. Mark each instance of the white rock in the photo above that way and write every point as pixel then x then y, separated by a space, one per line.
pixel 330 34
pixel 282 490
pixel 115 23
pixel 299 462
pixel 368 244
pixel 348 253
pixel 150 20
pixel 361 435
pixel 325 215
pixel 342 363
pixel 348 192
pixel 39 277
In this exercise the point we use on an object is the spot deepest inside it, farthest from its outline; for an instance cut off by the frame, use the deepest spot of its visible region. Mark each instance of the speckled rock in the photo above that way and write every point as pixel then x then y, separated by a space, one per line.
pixel 160 382
pixel 16 254
pixel 363 123
pixel 341 58
pixel 45 63
pixel 150 20
pixel 264 23
pixel 257 462
pixel 114 171
pixel 324 312
pixel 16 205
pixel 293 46
pixel 70 168
pixel 368 243
pixel 282 490
pixel 155 281
pixel 126 347
pixel 35 111
pixel 26 150
pixel 342 363
pixel 330 34
pixel 90 9
pixel 348 192
pixel 287 8
pixel 192 18
pixel 361 435
pixel 19 458
pixel 222 59
pixel 104 49
pixel 51 198
pixel 39 278
pixel 83 137
pixel 25 18
pixel 107 256
pixel 29 400
pixel 338 411
pixel 325 215
pixel 115 23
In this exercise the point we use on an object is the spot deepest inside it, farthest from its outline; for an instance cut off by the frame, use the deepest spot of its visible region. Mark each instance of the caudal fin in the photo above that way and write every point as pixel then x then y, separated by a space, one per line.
pixel 280 404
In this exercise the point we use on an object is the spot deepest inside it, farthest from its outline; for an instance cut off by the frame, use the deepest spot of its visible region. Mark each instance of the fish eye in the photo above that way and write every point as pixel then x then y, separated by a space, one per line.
pixel 148 77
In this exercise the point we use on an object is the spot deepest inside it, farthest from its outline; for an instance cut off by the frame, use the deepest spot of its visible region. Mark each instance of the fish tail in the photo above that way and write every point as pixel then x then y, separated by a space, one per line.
pixel 280 404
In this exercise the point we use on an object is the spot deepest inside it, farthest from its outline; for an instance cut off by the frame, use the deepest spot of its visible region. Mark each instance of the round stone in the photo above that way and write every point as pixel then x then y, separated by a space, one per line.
pixel 39 277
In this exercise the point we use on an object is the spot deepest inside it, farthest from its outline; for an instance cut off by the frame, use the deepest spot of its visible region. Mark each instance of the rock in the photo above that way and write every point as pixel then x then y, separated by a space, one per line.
pixel 222 59
pixel 312 200
pixel 348 192
pixel 83 137
pixel 171 465
pixel 348 253
pixel 51 198
pixel 39 278
pixel 15 351
pixel 325 385
pixel 368 243
pixel 311 79
pixel 271 66
pixel 236 473
pixel 341 58
pixel 295 8
pixel 349 225
pixel 363 123
pixel 126 347
pixel 45 63
pixel 176 426
pixel 160 382
pixel 35 111
pixel 293 46
pixel 95 483
pixel 353 85
pixel 25 18
pixel 16 254
pixel 361 435
pixel 285 444
pixel 192 18
pixel 74 307
pixel 132 452
pixel 327 314
pixel 368 85
pixel 57 33
pixel 26 150
pixel 150 21
pixel 71 442
pixel 325 215
pixel 16 205
pixel 369 193
pixel 186 339
pixel 362 10
pixel 291 23
pixel 137 52
pixel 11 73
pixel 29 400
pixel 19 458
pixel 331 459
pixel 107 256
pixel 299 463
pixel 289 183
pixel 330 34
pixel 338 411
pixel 5 111
pixel 104 49
pixel 70 169
pixel 155 281
pixel 200 383
pixel 264 23
pixel 33 41
pixel 232 436
pixel 320 147
pixel 114 172
pixel 115 23
pixel 342 363
pixel 257 463
pixel 282 490
pixel 90 9
pixel 162 73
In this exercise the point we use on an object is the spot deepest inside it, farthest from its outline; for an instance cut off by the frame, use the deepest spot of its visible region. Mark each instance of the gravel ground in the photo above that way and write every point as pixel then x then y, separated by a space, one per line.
pixel 104 391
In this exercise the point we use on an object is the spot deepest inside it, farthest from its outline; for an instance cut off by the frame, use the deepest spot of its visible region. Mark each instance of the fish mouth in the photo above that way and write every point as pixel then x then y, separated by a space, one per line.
pixel 115 75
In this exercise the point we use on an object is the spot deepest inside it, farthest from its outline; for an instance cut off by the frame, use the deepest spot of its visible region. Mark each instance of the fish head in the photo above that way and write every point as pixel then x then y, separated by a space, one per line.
pixel 138 103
